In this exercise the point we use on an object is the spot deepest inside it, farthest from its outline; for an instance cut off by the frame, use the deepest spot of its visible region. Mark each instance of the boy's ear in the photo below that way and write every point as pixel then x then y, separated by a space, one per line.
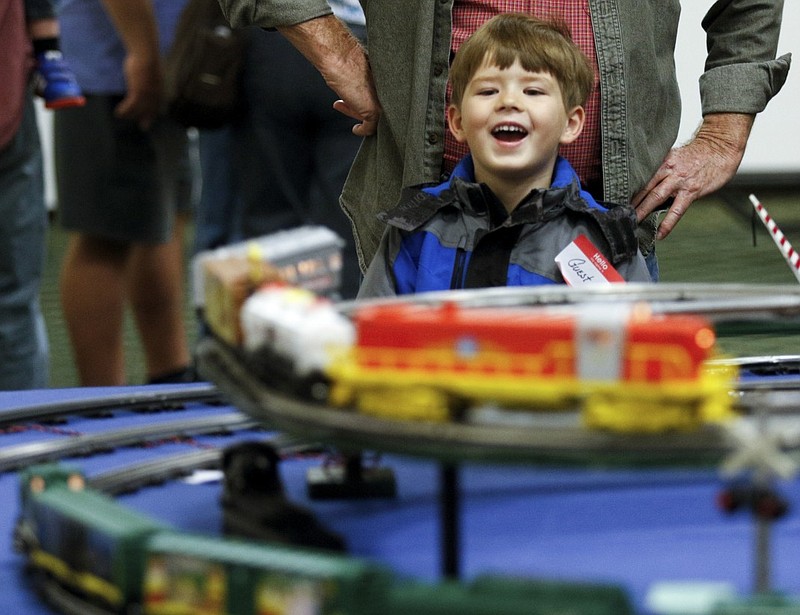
pixel 575 121
pixel 454 122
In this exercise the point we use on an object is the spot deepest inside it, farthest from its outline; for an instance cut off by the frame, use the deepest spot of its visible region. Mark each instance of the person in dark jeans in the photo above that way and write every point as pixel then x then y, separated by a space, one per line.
pixel 283 162
pixel 24 353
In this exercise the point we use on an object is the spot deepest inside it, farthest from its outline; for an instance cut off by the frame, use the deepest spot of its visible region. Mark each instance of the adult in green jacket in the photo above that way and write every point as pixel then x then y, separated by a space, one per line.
pixel 397 95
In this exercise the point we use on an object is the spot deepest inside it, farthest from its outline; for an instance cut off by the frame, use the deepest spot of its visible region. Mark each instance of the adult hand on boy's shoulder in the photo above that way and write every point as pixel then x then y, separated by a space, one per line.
pixel 702 166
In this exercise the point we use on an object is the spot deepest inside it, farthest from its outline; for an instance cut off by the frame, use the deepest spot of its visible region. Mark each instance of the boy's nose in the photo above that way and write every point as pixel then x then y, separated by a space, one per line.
pixel 509 99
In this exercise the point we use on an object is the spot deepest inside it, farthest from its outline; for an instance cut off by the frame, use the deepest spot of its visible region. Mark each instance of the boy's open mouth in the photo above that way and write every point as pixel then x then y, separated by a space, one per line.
pixel 509 132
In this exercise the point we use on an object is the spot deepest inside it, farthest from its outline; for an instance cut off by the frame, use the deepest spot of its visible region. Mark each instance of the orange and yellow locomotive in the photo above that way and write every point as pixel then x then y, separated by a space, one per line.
pixel 625 368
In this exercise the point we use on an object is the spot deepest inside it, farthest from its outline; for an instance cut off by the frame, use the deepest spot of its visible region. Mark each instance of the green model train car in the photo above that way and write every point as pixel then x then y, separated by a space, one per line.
pixel 763 604
pixel 493 594
pixel 199 574
pixel 87 549
pixel 85 544
pixel 80 540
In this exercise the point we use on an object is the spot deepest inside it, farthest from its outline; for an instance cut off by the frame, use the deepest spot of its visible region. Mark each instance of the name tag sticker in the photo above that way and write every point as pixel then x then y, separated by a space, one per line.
pixel 582 263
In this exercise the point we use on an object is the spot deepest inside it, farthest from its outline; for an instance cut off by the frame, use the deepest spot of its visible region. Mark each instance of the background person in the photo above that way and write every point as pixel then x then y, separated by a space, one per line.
pixel 283 161
pixel 23 339
pixel 398 94
pixel 122 174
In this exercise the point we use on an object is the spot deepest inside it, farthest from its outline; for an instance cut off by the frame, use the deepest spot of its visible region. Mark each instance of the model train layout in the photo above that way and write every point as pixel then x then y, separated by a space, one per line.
pixel 89 554
pixel 638 381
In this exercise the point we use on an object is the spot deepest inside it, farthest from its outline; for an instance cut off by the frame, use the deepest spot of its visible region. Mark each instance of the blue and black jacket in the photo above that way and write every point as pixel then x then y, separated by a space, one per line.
pixel 459 235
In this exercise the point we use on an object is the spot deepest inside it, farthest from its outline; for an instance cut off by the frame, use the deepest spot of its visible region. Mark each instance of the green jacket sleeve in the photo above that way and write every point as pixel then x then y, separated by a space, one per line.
pixel 273 13
pixel 742 73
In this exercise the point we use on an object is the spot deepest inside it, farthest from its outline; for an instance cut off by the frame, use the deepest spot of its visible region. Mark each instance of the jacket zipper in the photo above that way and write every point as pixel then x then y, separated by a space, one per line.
pixel 457 281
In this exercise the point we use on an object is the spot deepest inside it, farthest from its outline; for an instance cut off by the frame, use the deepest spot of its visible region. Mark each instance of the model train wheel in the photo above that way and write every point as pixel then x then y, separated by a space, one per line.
pixel 65 599
pixel 341 395
pixel 24 538
pixel 315 387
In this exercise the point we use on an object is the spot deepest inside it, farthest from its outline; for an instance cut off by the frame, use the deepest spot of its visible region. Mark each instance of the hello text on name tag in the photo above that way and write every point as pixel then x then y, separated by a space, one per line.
pixel 582 263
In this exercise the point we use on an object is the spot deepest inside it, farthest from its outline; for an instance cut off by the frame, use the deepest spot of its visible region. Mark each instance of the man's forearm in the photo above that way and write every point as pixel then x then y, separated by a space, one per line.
pixel 342 61
pixel 136 25
pixel 325 42
pixel 727 131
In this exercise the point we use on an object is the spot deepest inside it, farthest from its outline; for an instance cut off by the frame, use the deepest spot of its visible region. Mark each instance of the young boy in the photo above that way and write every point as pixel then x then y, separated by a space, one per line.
pixel 513 204
pixel 55 82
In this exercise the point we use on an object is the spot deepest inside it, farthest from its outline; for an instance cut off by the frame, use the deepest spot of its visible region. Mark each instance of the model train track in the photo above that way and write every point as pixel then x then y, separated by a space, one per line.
pixel 133 477
pixel 548 437
pixel 751 298
pixel 158 398
pixel 734 308
pixel 64 601
pixel 15 457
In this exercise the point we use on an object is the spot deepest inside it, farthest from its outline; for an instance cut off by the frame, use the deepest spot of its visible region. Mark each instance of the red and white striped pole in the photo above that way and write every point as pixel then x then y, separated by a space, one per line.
pixel 792 257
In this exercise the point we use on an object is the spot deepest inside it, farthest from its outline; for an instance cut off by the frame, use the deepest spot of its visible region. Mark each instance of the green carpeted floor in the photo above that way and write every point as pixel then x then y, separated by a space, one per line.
pixel 713 243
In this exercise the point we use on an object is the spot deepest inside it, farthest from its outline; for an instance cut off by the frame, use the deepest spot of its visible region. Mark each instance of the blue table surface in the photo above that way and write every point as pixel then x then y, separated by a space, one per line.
pixel 634 527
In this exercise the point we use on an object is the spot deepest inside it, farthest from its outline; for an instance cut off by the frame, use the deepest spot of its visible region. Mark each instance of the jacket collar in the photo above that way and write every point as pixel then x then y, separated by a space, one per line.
pixel 539 204
pixel 563 174
pixel 419 203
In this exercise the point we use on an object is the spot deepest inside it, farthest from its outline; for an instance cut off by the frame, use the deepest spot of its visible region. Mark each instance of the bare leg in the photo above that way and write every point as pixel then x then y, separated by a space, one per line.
pixel 93 300
pixel 155 277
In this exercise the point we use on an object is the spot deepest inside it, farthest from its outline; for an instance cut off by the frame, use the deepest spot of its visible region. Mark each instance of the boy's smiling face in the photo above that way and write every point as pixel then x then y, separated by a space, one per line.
pixel 514 121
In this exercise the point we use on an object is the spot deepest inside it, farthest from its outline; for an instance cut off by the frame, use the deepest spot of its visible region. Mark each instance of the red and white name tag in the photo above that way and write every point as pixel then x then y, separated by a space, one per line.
pixel 582 263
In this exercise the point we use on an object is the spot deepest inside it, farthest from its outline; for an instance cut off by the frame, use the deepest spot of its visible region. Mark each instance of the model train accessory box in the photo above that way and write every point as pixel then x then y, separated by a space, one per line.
pixel 228 283
pixel 308 256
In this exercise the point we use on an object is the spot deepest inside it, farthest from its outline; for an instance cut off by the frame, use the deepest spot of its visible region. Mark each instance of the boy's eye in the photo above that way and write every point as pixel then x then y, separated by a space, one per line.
pixel 533 91
pixel 486 91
